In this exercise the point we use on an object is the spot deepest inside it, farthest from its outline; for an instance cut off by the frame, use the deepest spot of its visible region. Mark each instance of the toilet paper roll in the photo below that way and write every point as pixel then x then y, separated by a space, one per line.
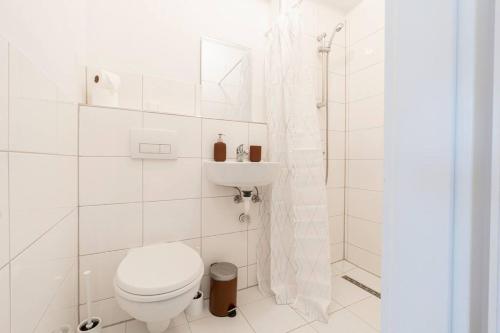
pixel 104 89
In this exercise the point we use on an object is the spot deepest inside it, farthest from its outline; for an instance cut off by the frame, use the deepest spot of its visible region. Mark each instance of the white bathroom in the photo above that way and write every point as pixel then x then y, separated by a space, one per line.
pixel 260 166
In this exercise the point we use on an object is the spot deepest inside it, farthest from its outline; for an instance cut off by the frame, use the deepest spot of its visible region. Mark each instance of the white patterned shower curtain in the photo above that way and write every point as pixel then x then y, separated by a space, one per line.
pixel 293 259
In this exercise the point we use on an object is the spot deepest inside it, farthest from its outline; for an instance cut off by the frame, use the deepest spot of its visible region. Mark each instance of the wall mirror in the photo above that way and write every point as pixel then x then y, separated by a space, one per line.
pixel 225 80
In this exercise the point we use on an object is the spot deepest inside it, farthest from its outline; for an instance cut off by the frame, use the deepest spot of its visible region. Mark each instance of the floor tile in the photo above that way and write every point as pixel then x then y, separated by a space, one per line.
pixel 341 267
pixel 304 329
pixel 343 322
pixel 266 316
pixel 136 326
pixel 345 293
pixel 214 324
pixel 365 278
pixel 334 306
pixel 249 295
pixel 368 310
pixel 120 328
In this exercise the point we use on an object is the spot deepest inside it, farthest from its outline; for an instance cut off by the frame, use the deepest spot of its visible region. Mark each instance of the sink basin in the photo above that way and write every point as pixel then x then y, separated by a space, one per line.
pixel 242 174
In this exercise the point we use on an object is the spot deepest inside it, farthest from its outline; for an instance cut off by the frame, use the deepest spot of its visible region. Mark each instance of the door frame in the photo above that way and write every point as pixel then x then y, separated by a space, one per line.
pixel 494 301
pixel 437 153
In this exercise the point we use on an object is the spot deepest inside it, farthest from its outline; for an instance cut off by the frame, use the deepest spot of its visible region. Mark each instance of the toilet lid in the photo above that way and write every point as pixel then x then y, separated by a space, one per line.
pixel 158 269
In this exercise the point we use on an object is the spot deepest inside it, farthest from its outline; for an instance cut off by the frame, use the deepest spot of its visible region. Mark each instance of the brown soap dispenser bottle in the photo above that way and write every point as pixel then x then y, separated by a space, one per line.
pixel 220 150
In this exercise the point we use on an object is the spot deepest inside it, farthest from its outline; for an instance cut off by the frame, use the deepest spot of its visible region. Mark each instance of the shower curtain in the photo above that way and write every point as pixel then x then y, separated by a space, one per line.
pixel 293 259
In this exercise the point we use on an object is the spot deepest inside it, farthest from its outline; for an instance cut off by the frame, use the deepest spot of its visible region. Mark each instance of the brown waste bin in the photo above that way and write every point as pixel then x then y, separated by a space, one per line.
pixel 223 288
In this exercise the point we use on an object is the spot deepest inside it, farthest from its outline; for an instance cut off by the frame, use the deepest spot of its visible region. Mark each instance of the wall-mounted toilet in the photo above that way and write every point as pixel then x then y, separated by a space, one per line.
pixel 155 283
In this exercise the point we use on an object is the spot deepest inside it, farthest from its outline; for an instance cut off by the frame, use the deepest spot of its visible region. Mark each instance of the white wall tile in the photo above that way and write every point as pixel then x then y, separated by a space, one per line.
pixel 336 229
pixel 335 198
pixel 366 174
pixel 110 227
pixel 188 131
pixel 4 210
pixel 108 310
pixel 365 259
pixel 106 132
pixel 252 275
pixel 257 136
pixel 230 247
pixel 242 278
pixel 365 204
pixel 4 94
pixel 43 189
pixel 105 180
pixel 367 52
pixel 5 298
pixel 366 144
pixel 336 88
pixel 253 238
pixel 336 119
pixel 26 80
pixel 336 145
pixel 129 93
pixel 167 221
pixel 365 234
pixel 366 18
pixel 162 95
pixel 328 17
pixel 336 174
pixel 38 273
pixel 366 113
pixel 174 179
pixel 366 83
pixel 221 216
pixel 62 312
pixel 337 59
pixel 336 252
pixel 235 133
pixel 103 267
pixel 194 243
pixel 43 126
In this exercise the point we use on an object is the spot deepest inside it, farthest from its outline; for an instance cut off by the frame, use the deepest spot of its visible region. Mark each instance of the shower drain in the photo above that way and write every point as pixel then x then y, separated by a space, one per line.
pixel 362 286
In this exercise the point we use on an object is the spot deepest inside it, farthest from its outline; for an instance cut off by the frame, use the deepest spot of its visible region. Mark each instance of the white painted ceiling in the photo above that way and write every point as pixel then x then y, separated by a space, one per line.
pixel 344 5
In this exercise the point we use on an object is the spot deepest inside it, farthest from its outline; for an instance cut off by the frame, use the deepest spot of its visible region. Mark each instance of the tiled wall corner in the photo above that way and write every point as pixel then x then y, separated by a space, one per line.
pixel 38 198
pixel 365 139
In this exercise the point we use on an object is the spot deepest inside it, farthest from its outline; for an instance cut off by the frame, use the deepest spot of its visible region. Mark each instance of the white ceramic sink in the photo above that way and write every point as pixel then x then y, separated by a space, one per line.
pixel 242 174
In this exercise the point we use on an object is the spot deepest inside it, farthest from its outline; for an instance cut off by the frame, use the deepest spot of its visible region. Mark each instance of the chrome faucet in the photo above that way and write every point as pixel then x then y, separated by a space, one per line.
pixel 241 153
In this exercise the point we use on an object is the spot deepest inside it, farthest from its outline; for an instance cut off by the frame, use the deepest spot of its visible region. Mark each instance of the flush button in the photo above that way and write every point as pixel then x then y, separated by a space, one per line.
pixel 149 148
pixel 165 149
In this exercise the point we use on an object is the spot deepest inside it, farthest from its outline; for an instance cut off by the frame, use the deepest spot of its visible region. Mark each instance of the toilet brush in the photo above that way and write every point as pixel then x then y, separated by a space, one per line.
pixel 91 324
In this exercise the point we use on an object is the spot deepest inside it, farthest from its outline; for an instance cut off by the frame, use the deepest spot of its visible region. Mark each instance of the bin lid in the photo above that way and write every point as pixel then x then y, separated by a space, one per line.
pixel 223 271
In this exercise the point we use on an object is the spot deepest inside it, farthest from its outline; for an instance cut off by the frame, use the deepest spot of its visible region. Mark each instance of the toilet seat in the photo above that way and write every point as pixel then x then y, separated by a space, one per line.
pixel 158 272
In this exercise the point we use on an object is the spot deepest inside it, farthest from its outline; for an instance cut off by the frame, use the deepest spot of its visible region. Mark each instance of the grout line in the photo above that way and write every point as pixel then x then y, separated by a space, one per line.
pixel 170 114
pixel 78 284
pixel 362 69
pixel 374 32
pixel 36 153
pixel 366 98
pixel 44 234
pixel 9 228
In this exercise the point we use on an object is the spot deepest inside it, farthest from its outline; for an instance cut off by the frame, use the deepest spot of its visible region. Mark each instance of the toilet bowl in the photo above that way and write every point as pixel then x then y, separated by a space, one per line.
pixel 155 283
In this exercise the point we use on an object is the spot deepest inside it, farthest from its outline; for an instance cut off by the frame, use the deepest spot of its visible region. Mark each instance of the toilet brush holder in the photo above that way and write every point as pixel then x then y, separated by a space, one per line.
pixel 91 325
pixel 195 309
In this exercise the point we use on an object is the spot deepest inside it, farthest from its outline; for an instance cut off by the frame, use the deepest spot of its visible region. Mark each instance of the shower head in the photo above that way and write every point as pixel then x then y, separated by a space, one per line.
pixel 339 27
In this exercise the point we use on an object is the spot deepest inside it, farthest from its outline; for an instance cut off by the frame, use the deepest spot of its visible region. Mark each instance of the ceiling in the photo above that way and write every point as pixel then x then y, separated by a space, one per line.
pixel 344 5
